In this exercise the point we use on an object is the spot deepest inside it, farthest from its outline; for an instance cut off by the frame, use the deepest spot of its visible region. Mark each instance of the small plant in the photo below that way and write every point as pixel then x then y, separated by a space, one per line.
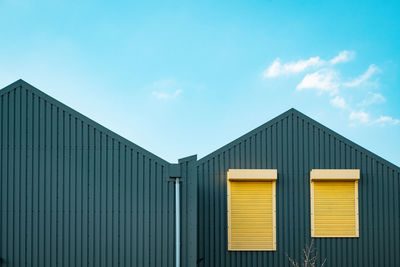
pixel 309 259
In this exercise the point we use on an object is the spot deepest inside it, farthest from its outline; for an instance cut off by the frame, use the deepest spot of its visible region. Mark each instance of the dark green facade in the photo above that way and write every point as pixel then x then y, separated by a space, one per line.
pixel 76 194
pixel 73 193
pixel 294 144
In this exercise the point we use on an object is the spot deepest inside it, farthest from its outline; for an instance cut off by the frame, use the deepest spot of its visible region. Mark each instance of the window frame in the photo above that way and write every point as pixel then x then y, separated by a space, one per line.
pixel 251 175
pixel 335 175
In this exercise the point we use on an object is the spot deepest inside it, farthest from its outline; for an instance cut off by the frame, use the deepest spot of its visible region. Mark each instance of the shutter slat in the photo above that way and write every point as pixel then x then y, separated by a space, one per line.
pixel 252 215
pixel 334 208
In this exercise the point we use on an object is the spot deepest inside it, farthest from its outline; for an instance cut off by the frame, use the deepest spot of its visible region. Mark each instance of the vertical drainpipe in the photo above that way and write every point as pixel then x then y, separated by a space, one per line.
pixel 175 173
pixel 177 223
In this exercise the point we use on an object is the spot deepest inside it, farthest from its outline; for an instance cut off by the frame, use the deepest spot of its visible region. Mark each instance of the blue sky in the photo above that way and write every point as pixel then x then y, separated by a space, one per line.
pixel 186 77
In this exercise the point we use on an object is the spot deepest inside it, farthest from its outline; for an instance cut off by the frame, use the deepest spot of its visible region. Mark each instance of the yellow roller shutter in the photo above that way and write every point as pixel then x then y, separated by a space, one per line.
pixel 251 212
pixel 334 204
pixel 251 216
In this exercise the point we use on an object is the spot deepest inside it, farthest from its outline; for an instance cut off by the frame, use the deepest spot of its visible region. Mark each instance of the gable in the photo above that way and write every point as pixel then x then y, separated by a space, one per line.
pixel 23 96
pixel 292 130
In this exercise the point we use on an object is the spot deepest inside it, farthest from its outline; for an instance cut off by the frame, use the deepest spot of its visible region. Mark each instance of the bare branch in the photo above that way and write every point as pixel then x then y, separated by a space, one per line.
pixel 309 258
pixel 293 262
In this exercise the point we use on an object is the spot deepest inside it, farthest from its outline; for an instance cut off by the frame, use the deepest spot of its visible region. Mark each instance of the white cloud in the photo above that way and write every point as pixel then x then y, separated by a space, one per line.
pixel 343 56
pixel 322 81
pixel 373 98
pixel 339 102
pixel 165 89
pixel 359 116
pixel 277 68
pixel 386 120
pixel 165 96
pixel 363 118
pixel 372 69
pixel 324 77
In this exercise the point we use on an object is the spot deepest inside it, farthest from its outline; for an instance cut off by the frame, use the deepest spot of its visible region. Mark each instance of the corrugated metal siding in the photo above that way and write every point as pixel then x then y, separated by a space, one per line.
pixel 295 144
pixel 75 194
pixel 188 211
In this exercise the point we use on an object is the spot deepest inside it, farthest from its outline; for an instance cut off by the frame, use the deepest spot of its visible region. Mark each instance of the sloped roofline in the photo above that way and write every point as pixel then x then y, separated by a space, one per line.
pixel 21 83
pixel 291 111
pixel 346 140
pixel 295 112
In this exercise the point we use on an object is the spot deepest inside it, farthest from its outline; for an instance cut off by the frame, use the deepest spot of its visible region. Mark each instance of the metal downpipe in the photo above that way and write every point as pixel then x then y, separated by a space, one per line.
pixel 177 224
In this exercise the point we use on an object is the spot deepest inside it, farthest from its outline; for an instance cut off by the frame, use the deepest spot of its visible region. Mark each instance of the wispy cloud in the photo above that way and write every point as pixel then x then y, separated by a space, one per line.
pixel 277 68
pixel 327 80
pixel 165 89
pixel 343 56
pixel 386 119
pixel 372 98
pixel 359 116
pixel 324 77
pixel 339 102
pixel 165 96
pixel 322 81
pixel 372 69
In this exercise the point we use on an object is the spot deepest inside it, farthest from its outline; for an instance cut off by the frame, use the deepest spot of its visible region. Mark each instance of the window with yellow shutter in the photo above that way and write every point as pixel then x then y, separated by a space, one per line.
pixel 334 203
pixel 251 209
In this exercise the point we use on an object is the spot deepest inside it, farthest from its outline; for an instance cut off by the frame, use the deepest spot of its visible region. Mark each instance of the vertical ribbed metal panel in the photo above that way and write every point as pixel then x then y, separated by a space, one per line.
pixel 75 194
pixel 294 144
pixel 188 211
